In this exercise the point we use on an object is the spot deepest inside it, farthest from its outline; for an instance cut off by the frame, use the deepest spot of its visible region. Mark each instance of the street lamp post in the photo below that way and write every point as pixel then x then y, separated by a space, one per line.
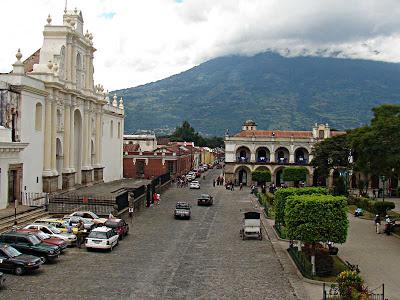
pixel 383 178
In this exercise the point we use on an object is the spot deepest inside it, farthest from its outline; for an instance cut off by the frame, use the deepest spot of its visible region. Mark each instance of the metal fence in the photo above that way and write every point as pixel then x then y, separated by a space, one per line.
pixel 331 292
pixel 35 199
pixel 66 204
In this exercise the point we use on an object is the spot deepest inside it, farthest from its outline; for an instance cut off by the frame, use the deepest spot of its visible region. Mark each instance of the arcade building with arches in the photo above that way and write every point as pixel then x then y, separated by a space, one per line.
pixel 58 130
pixel 252 149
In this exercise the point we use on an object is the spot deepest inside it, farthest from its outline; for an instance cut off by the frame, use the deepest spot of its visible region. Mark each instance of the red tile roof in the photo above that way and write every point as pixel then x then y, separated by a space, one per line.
pixel 278 133
pixel 131 147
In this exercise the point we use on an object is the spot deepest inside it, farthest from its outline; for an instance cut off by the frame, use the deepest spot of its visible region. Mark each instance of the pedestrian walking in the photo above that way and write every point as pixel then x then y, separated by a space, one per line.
pixel 374 193
pixel 79 234
pixel 232 186
pixel 158 199
pixel 213 182
pixel 241 186
pixel 377 223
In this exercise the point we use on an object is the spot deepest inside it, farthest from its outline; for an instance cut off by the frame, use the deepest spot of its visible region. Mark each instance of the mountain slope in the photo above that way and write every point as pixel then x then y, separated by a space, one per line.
pixel 276 91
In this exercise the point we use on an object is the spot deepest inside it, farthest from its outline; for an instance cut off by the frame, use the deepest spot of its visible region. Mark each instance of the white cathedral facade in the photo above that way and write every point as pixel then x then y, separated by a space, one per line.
pixel 57 129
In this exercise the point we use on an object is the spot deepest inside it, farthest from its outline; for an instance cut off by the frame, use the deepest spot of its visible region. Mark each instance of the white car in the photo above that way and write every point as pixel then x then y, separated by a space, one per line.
pixel 69 238
pixel 90 216
pixel 194 185
pixel 102 238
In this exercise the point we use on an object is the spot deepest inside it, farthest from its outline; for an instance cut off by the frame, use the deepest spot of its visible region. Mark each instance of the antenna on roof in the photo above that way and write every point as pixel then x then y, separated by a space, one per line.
pixel 66 4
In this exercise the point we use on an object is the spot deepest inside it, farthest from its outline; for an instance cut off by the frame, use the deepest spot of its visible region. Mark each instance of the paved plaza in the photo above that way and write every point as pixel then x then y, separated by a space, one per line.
pixel 163 258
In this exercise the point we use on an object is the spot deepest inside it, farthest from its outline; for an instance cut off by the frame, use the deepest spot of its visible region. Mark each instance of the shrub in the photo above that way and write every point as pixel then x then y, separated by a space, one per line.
pixel 261 176
pixel 294 174
pixel 350 284
pixel 381 208
pixel 270 198
pixel 316 218
pixel 282 194
pixel 339 187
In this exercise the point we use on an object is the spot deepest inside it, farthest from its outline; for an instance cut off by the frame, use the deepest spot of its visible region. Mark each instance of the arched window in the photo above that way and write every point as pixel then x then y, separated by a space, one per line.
pixel 38 116
pixel 111 129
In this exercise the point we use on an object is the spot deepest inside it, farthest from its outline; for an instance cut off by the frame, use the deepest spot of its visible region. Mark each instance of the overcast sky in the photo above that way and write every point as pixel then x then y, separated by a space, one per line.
pixel 140 41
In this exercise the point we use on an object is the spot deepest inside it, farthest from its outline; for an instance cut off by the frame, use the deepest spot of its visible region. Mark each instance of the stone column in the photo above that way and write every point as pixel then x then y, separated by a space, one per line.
pixel 73 64
pixel 53 134
pixel 67 130
pixel 85 137
pixel 89 140
pixel 87 170
pixel 72 137
pixel 98 138
pixel 291 157
pixel 330 179
pixel 68 63
pixel 88 70
pixel 310 176
pixel 47 139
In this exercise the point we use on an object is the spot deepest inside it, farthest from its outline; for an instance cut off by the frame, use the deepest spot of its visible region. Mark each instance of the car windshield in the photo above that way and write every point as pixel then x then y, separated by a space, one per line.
pixel 54 229
pixel 11 252
pixel 42 235
pixel 111 224
pixel 182 206
pixel 98 235
pixel 34 240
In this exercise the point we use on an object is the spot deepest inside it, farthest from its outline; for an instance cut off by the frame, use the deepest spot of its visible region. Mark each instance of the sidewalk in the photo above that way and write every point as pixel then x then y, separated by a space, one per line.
pixel 377 255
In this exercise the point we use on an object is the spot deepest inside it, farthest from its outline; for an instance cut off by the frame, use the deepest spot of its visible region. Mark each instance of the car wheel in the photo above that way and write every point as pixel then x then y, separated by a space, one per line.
pixel 19 271
pixel 44 259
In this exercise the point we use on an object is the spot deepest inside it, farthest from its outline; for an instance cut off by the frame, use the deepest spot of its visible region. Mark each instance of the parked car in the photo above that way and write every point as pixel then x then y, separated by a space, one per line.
pixel 102 238
pixel 194 185
pixel 190 177
pixel 60 224
pixel 90 216
pixel 69 238
pixel 182 210
pixel 27 243
pixel 73 221
pixel 13 260
pixel 47 239
pixel 119 225
pixel 205 199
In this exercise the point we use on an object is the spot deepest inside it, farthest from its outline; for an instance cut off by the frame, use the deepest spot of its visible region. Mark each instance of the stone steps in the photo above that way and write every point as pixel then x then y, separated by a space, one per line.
pixel 24 218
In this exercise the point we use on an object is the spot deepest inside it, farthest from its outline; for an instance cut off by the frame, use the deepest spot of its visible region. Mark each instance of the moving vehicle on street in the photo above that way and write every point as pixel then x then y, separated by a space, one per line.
pixel 119 225
pixel 69 238
pixel 102 238
pixel 205 199
pixel 13 260
pixel 194 185
pixel 47 239
pixel 251 227
pixel 73 221
pixel 90 216
pixel 182 210
pixel 27 243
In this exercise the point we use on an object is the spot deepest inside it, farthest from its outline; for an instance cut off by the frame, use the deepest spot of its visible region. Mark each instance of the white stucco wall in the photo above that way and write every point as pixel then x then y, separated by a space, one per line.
pixel 112 147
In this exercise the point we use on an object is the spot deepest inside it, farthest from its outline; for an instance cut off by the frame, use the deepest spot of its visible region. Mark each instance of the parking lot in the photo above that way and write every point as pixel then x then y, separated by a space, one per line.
pixel 163 258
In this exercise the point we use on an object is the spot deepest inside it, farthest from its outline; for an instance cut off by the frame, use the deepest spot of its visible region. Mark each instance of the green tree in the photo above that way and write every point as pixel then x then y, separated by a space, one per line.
pixel 330 154
pixel 294 174
pixel 261 176
pixel 187 133
pixel 316 218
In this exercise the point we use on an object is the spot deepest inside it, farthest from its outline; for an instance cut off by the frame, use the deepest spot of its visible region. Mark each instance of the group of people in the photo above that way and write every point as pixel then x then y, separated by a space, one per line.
pixel 218 181
pixel 389 224
pixel 182 181
pixel 156 199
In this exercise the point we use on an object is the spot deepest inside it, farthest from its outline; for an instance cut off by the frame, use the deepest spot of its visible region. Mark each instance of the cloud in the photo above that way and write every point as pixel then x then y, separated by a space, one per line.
pixel 141 41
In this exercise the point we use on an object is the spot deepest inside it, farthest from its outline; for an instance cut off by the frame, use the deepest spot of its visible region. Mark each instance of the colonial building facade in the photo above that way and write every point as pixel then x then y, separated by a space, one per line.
pixel 252 149
pixel 58 130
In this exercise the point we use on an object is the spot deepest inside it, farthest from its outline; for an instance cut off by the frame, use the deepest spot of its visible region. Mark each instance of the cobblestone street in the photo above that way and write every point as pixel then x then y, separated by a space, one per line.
pixel 163 258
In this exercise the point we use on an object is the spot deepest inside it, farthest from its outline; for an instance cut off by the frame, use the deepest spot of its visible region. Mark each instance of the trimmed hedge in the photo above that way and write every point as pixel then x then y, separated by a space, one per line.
pixel 316 218
pixel 282 194
pixel 373 206
pixel 294 174
pixel 261 176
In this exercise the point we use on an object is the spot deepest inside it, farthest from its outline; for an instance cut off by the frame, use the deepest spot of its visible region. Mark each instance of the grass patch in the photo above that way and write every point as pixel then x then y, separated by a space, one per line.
pixel 370 216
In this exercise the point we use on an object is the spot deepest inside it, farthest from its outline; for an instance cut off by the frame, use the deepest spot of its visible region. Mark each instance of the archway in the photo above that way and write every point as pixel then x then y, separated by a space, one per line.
pixel 263 155
pixel 374 182
pixel 59 162
pixel 282 155
pixel 78 146
pixel 301 156
pixel 243 154
pixel 318 179
pixel 279 177
pixel 243 175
